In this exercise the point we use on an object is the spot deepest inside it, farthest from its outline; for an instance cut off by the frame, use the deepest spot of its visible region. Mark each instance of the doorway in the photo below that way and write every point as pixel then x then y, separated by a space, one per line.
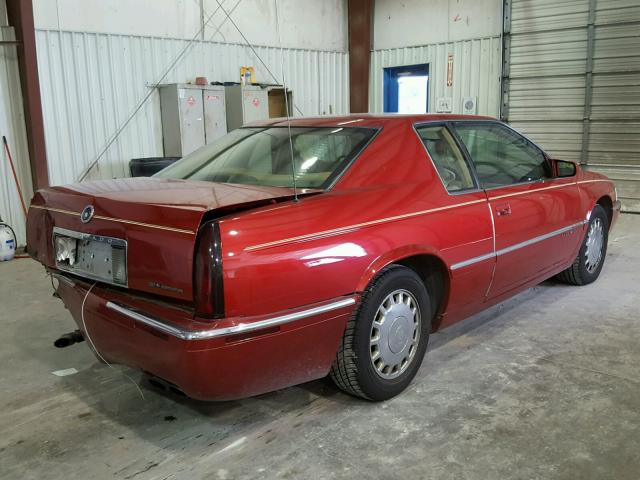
pixel 406 89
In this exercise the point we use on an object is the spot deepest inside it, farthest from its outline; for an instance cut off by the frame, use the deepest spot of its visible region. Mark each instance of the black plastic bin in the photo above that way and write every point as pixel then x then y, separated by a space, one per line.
pixel 145 167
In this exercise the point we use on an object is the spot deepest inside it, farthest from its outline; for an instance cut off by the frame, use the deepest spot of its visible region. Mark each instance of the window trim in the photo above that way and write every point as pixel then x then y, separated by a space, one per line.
pixel 463 151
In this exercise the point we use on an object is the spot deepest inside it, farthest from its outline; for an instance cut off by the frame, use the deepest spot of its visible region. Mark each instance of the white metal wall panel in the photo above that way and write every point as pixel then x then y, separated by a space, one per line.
pixel 476 72
pixel 548 64
pixel 92 82
pixel 12 126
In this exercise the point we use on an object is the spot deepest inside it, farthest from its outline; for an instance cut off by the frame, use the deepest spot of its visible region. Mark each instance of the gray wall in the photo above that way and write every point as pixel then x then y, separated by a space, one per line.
pixel 593 119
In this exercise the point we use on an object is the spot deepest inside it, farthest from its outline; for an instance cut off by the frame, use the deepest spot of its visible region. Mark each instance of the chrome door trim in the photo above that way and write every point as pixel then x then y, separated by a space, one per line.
pixel 540 238
pixel 517 246
pixel 189 335
pixel 471 261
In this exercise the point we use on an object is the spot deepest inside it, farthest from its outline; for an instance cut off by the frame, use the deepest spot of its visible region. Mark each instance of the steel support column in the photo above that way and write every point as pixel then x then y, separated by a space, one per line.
pixel 588 83
pixel 506 60
pixel 360 43
pixel 20 15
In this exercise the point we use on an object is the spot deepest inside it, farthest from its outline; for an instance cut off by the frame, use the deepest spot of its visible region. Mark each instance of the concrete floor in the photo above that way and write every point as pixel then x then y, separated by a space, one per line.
pixel 546 385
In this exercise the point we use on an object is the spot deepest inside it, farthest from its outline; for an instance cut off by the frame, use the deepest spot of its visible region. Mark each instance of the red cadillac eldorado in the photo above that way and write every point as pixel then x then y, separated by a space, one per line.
pixel 222 279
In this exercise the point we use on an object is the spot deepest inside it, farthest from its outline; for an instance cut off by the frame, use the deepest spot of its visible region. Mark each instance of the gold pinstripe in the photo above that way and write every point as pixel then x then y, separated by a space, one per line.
pixel 58 210
pixel 514 194
pixel 118 220
pixel 596 180
pixel 348 228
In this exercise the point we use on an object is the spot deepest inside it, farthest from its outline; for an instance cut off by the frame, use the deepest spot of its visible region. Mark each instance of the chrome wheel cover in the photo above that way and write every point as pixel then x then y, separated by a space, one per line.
pixel 395 334
pixel 595 241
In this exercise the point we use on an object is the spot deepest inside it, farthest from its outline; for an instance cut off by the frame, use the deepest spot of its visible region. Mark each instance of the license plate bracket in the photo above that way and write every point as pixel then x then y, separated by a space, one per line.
pixel 95 257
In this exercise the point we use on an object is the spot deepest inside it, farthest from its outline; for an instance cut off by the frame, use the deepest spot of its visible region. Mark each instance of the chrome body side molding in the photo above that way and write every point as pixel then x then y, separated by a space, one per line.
pixel 517 246
pixel 187 334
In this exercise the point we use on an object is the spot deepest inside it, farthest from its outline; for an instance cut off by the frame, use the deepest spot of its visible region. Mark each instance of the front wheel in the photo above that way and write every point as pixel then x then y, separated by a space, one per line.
pixel 386 338
pixel 588 264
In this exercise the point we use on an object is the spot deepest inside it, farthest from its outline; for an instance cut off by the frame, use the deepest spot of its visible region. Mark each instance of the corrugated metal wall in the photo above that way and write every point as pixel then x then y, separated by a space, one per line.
pixel 92 82
pixel 476 72
pixel 547 72
pixel 614 139
pixel 12 126
pixel 548 84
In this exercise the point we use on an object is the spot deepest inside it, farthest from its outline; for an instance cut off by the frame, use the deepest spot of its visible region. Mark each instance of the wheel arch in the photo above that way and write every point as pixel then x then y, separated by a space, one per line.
pixel 606 202
pixel 426 263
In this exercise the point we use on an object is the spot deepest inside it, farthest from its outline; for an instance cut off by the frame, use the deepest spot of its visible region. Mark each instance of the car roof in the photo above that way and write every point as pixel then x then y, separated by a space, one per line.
pixel 365 120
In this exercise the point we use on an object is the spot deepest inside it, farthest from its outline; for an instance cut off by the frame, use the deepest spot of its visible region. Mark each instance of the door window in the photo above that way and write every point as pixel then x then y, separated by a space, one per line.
pixel 447 158
pixel 501 156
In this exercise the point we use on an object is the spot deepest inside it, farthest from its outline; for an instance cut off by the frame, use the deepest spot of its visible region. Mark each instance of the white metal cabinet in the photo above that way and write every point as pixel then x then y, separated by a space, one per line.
pixel 182 119
pixel 245 105
pixel 215 117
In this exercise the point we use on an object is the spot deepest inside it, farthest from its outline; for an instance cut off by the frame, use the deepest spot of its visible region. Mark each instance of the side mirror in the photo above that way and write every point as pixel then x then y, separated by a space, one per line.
pixel 564 168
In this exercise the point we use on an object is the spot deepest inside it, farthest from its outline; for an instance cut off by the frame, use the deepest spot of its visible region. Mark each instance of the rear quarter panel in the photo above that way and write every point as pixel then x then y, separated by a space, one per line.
pixel 294 254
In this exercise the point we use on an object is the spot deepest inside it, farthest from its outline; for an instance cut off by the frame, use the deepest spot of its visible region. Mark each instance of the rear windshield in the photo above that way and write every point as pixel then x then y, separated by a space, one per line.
pixel 262 156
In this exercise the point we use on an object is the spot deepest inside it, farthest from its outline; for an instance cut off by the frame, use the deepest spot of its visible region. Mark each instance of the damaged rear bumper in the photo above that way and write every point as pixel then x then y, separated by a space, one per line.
pixel 215 360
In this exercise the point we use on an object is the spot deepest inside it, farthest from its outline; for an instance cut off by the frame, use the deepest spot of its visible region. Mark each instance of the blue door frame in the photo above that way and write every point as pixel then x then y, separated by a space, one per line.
pixel 390 85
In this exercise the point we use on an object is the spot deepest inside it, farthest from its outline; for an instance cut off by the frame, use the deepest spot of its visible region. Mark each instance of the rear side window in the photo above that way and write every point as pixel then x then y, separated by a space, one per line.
pixel 501 156
pixel 447 158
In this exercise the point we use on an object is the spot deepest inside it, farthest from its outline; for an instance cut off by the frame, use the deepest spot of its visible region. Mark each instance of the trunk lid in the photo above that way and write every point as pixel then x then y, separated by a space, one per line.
pixel 157 218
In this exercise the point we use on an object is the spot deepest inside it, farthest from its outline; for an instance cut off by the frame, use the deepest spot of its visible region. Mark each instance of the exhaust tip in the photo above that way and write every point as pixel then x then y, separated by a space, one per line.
pixel 69 339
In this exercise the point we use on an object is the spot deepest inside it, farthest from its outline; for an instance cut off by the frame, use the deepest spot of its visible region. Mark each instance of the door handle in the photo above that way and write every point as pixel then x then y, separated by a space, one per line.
pixel 504 209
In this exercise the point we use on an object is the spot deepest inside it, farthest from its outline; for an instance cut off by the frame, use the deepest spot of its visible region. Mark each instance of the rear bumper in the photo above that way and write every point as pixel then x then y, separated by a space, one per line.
pixel 221 360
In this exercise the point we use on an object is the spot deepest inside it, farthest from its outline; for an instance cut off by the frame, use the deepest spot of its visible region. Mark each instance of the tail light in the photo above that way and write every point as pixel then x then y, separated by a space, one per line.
pixel 208 293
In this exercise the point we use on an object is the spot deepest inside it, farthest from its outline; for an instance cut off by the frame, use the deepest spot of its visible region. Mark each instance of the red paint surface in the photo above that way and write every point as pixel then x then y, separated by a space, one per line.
pixel 349 233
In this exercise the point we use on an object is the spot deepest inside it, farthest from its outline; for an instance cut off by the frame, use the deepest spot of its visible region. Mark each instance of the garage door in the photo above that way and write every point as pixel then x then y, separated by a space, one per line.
pixel 572 83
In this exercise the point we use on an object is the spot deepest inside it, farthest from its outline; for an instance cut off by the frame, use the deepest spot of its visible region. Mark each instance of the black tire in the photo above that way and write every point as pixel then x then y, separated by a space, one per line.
pixel 579 273
pixel 353 370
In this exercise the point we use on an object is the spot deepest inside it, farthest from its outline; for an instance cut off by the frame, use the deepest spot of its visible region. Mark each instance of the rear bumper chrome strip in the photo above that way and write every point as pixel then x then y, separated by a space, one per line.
pixel 186 334
pixel 517 246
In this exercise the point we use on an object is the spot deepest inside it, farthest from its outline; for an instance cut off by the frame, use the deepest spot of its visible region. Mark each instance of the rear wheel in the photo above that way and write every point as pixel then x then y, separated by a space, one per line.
pixel 386 338
pixel 588 264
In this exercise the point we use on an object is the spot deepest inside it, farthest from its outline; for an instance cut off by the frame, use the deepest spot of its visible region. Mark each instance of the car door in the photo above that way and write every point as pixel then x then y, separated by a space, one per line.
pixel 537 217
pixel 465 231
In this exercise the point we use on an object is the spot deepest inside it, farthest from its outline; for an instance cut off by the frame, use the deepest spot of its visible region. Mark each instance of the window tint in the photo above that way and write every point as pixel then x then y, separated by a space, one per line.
pixel 447 158
pixel 501 156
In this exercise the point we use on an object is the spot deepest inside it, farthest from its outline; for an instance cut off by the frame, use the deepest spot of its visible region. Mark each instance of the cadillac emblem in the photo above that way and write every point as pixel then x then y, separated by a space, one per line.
pixel 87 214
